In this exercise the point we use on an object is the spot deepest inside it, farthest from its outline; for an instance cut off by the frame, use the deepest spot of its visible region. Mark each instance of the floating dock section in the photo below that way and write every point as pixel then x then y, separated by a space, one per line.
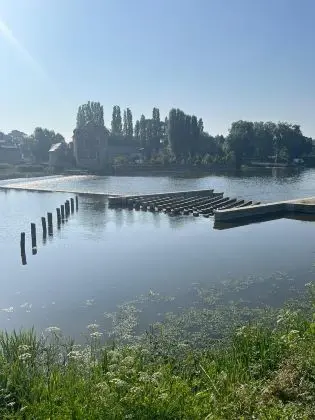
pixel 268 211
pixel 195 202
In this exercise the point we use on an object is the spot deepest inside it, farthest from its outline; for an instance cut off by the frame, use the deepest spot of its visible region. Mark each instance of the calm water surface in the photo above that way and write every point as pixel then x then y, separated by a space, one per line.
pixel 102 257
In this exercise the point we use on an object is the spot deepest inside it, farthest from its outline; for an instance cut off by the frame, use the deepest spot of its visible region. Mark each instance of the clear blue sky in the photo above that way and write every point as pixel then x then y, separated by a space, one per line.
pixel 222 60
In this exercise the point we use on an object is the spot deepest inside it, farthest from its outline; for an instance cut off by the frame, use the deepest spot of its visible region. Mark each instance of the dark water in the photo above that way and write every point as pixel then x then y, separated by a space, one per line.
pixel 103 257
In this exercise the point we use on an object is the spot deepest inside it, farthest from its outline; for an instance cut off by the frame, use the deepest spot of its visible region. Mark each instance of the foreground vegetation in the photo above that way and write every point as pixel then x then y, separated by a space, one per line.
pixel 265 370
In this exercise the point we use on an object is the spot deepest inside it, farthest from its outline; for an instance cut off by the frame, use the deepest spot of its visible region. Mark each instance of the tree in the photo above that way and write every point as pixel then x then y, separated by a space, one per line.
pixel 156 133
pixel 240 140
pixel 116 121
pixel 129 123
pixel 200 125
pixel 90 112
pixel 43 140
pixel 137 129
pixel 142 131
pixel 125 123
pixel 183 134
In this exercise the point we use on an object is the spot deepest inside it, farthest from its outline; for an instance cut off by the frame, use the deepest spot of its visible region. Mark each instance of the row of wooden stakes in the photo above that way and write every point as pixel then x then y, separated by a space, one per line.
pixel 63 212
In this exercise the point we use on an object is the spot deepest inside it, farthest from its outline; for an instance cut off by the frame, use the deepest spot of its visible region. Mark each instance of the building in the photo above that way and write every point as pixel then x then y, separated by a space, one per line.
pixel 9 153
pixel 89 146
pixel 93 151
pixel 58 155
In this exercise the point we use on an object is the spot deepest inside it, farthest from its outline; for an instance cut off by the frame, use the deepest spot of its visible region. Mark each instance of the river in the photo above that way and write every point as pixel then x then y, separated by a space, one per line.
pixel 103 257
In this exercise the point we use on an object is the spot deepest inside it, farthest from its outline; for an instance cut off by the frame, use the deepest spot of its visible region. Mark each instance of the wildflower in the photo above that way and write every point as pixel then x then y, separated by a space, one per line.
pixel 92 327
pixel 135 390
pixel 96 334
pixel 110 375
pixel 119 383
pixel 102 386
pixel 24 357
pixel 53 329
pixel 144 377
pixel 24 348
pixel 157 376
pixel 75 355
pixel 113 355
pixel 128 361
pixel 113 367
pixel 8 310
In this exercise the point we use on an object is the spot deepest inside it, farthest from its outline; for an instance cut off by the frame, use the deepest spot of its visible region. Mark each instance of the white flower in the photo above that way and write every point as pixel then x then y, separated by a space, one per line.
pixel 128 361
pixel 119 383
pixel 92 327
pixel 113 367
pixel 102 386
pixel 96 334
pixel 157 376
pixel 8 310
pixel 53 329
pixel 110 375
pixel 24 356
pixel 113 355
pixel 145 352
pixel 24 348
pixel 144 377
pixel 75 355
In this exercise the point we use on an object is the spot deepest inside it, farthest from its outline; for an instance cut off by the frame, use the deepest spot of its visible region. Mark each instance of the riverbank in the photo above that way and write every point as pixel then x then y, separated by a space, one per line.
pixel 8 171
pixel 264 370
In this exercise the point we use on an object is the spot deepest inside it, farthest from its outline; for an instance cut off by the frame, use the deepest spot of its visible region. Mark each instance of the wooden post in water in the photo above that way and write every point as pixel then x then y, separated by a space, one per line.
pixel 67 208
pixel 76 203
pixel 33 235
pixel 50 224
pixel 22 243
pixel 44 226
pixel 72 205
pixel 58 216
pixel 62 212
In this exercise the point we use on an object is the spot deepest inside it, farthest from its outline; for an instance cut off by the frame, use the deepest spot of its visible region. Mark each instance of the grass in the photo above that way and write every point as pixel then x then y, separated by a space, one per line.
pixel 264 371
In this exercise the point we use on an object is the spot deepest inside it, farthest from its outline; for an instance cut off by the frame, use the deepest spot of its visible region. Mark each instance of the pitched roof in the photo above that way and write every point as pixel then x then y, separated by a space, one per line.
pixel 55 147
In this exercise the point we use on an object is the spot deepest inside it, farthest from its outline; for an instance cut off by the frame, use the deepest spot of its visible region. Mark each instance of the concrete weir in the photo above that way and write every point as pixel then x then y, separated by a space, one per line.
pixel 194 202
pixel 267 211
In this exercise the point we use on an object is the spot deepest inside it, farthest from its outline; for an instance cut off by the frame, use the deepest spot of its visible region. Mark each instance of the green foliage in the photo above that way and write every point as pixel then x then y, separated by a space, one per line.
pixel 116 121
pixel 261 140
pixel 265 371
pixel 183 133
pixel 41 142
pixel 137 129
pixel 90 112
pixel 129 129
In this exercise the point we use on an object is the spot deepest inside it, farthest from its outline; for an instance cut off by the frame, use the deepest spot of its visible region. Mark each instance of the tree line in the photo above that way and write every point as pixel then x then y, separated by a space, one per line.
pixel 35 145
pixel 181 137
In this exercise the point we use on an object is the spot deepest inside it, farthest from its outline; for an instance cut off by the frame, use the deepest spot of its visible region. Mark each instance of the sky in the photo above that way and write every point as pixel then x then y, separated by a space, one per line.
pixel 222 60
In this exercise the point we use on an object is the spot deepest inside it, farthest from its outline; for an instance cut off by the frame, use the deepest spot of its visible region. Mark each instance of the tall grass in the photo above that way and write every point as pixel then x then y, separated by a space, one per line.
pixel 264 372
